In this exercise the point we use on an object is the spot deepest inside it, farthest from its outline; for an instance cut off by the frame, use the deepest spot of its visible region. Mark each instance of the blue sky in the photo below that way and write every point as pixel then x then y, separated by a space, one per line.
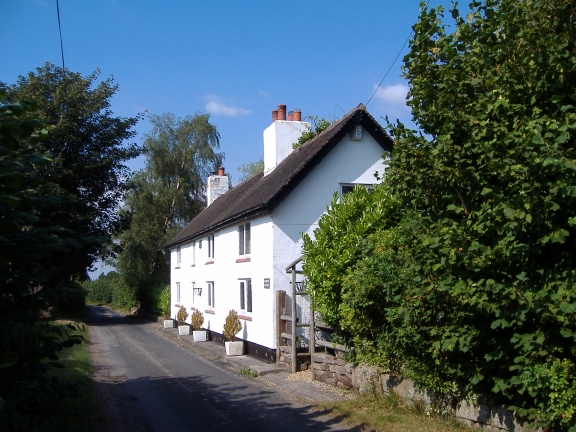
pixel 236 60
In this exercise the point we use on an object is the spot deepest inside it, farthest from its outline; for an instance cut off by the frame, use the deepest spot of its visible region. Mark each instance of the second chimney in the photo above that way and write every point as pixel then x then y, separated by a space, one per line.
pixel 281 112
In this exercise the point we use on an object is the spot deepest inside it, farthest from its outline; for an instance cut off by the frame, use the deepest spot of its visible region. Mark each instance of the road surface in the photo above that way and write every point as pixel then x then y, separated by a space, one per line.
pixel 174 389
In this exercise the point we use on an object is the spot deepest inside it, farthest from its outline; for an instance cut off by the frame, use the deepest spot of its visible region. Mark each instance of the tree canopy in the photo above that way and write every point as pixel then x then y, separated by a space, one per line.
pixel 87 146
pixel 166 194
pixel 31 288
pixel 476 280
pixel 250 169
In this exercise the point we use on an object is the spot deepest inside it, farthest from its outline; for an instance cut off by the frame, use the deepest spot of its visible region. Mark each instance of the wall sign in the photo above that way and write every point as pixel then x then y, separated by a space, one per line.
pixel 267 283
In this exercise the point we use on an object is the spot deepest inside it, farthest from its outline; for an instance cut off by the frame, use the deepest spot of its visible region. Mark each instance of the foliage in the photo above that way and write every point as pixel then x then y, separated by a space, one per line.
pixel 246 371
pixel 87 151
pixel 250 169
pixel 181 315
pixel 30 288
pixel 197 320
pixel 232 325
pixel 477 278
pixel 110 289
pixel 320 125
pixel 167 194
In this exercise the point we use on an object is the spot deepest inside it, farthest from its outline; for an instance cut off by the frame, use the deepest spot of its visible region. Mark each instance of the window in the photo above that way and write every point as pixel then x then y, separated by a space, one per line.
pixel 347 188
pixel 178 255
pixel 244 239
pixel 177 292
pixel 246 295
pixel 193 252
pixel 210 246
pixel 211 294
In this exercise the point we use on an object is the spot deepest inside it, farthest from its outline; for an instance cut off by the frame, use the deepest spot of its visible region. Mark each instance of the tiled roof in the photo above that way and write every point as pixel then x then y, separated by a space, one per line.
pixel 261 194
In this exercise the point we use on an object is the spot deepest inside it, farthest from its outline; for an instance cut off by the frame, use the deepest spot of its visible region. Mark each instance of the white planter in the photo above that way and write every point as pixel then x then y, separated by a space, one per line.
pixel 199 335
pixel 168 323
pixel 183 330
pixel 234 348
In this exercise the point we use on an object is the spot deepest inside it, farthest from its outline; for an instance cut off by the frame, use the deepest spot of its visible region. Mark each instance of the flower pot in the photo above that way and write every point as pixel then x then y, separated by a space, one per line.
pixel 234 348
pixel 199 335
pixel 168 323
pixel 183 329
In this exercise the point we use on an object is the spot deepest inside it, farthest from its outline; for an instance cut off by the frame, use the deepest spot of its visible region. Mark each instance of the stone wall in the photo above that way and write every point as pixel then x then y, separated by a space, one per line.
pixel 368 379
pixel 303 362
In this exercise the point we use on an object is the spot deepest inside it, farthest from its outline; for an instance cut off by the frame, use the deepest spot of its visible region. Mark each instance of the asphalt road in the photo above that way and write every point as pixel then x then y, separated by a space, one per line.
pixel 175 389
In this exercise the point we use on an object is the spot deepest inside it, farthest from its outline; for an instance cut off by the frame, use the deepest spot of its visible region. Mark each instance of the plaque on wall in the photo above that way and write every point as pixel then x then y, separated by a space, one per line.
pixel 266 283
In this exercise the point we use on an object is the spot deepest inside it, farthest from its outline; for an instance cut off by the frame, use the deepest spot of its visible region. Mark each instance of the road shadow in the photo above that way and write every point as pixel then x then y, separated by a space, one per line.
pixel 204 406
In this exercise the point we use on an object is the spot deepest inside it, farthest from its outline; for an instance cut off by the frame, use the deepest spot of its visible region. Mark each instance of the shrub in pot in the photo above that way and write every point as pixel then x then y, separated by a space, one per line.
pixel 181 315
pixel 197 321
pixel 232 325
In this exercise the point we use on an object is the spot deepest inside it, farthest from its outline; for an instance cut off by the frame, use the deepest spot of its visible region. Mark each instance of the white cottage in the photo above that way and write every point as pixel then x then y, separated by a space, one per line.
pixel 233 255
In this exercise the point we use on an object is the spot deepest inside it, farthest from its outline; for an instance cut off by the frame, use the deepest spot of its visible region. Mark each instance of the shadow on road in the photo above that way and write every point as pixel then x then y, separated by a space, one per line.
pixel 208 407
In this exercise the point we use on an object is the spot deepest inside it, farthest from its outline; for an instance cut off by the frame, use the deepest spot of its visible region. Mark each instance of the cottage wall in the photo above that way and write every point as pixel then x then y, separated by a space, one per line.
pixel 276 241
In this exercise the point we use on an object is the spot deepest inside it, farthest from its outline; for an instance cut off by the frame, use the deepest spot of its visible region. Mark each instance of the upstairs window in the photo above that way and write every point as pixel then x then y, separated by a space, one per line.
pixel 246 295
pixel 244 239
pixel 178 255
pixel 347 188
pixel 210 246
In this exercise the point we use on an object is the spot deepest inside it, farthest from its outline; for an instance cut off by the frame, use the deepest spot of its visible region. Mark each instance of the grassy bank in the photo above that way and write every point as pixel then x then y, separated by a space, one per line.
pixel 389 413
pixel 76 412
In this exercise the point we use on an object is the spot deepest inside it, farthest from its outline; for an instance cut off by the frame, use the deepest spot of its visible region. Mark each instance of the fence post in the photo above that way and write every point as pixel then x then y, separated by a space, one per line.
pixel 294 319
pixel 278 324
pixel 312 342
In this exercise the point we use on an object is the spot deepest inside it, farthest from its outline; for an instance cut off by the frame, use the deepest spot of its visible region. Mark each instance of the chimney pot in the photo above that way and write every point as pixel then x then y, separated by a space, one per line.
pixel 281 112
pixel 274 115
pixel 221 171
pixel 290 115
pixel 297 114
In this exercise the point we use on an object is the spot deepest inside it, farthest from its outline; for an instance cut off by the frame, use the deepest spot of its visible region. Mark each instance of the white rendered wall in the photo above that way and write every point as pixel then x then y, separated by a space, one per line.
pixel 350 162
pixel 275 243
pixel 278 140
pixel 225 272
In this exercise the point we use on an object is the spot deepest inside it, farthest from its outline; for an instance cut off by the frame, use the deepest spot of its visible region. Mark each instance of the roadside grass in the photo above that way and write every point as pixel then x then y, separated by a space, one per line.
pixel 390 413
pixel 76 413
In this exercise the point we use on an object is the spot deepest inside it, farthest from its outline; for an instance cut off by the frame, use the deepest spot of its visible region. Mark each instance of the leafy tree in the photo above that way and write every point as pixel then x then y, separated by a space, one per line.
pixel 250 169
pixel 29 290
pixel 320 125
pixel 87 149
pixel 167 194
pixel 477 279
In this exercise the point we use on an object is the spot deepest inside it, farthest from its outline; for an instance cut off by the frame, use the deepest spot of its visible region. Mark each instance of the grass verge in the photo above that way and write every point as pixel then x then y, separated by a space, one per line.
pixel 391 414
pixel 76 413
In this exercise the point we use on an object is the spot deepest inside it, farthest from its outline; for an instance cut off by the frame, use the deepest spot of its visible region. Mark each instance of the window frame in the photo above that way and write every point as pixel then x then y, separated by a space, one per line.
pixel 244 239
pixel 211 246
pixel 177 292
pixel 211 293
pixel 246 295
pixel 178 255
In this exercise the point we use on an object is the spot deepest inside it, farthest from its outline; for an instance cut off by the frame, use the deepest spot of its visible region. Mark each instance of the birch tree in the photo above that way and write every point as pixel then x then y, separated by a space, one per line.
pixel 164 196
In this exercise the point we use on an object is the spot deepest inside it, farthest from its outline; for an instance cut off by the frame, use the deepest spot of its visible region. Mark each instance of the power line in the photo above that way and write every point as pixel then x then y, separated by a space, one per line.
pixel 394 62
pixel 60 29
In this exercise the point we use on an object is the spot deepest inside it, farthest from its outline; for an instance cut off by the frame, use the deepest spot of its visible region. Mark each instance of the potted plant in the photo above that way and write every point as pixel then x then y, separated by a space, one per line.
pixel 197 321
pixel 168 322
pixel 232 325
pixel 183 328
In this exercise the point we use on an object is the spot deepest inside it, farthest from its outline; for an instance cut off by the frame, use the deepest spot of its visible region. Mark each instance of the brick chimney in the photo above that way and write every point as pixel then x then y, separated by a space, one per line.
pixel 218 184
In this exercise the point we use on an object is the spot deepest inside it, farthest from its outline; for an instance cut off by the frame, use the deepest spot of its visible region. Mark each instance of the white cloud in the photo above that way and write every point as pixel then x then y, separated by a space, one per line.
pixel 217 106
pixel 393 96
pixel 265 94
